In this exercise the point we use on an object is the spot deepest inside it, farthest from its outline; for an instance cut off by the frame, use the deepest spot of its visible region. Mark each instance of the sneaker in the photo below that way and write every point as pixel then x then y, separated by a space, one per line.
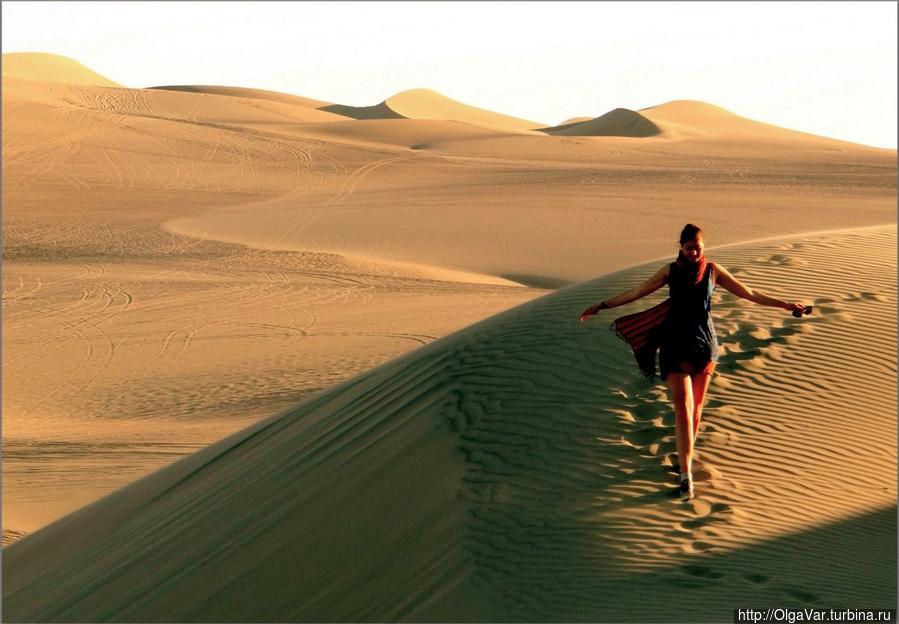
pixel 686 489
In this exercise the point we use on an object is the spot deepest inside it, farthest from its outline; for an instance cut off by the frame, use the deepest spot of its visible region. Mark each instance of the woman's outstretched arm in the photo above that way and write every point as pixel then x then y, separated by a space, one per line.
pixel 734 286
pixel 649 286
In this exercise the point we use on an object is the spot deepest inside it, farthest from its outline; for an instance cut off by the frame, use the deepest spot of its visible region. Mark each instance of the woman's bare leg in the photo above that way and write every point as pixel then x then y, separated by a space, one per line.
pixel 700 383
pixel 682 397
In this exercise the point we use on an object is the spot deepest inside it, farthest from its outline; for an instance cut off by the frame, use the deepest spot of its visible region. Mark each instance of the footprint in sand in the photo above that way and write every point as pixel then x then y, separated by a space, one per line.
pixel 745 346
pixel 830 307
pixel 647 435
pixel 646 410
pixel 703 473
pixel 784 260
pixel 649 429
pixel 707 514
pixel 797 593
pixel 699 546
pixel 703 572
pixel 864 296
pixel 722 438
pixel 692 576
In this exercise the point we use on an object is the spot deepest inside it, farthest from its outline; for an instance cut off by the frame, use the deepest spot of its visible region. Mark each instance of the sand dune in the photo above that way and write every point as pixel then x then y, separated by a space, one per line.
pixel 701 120
pixel 684 119
pixel 517 470
pixel 698 120
pixel 51 68
pixel 619 122
pixel 424 104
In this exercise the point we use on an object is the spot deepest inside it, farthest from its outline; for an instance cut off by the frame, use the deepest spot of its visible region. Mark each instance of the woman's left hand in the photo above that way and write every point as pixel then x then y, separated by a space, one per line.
pixel 588 313
pixel 798 309
pixel 591 311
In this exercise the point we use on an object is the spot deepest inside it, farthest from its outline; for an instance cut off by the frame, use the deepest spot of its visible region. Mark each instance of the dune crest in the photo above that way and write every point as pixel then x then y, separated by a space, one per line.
pixel 428 104
pixel 696 119
pixel 573 120
pixel 692 109
pixel 51 68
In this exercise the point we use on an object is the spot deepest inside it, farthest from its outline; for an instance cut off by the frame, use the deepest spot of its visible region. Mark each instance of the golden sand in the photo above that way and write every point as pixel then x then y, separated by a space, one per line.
pixel 380 308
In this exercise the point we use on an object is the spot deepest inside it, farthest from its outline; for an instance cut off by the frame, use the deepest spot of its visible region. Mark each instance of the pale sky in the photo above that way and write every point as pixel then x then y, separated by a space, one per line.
pixel 828 68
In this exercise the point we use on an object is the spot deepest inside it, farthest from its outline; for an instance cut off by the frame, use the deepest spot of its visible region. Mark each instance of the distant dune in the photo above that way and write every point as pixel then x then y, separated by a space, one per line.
pixel 425 104
pixel 701 120
pixel 51 68
pixel 619 122
pixel 519 470
pixel 694 119
pixel 682 119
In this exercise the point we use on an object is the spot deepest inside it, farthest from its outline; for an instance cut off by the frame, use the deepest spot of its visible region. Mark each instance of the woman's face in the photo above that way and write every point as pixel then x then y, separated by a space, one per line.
pixel 692 249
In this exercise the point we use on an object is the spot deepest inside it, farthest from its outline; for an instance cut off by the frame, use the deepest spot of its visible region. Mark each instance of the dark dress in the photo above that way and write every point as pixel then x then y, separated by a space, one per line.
pixel 688 343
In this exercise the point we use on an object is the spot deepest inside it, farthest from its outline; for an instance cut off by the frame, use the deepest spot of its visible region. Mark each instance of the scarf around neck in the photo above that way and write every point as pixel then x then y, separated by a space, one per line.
pixel 686 271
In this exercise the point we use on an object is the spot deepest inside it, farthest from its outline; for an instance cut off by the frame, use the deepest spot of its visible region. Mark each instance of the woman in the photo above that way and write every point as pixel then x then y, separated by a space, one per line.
pixel 682 330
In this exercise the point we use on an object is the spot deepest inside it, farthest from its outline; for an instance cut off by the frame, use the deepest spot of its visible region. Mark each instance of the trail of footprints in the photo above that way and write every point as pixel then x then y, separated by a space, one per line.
pixel 652 435
pixel 697 576
pixel 648 424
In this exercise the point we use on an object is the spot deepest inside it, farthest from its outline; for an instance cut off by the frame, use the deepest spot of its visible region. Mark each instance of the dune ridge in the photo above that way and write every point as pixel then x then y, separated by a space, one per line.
pixel 678 119
pixel 574 120
pixel 51 68
pixel 531 464
pixel 244 92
